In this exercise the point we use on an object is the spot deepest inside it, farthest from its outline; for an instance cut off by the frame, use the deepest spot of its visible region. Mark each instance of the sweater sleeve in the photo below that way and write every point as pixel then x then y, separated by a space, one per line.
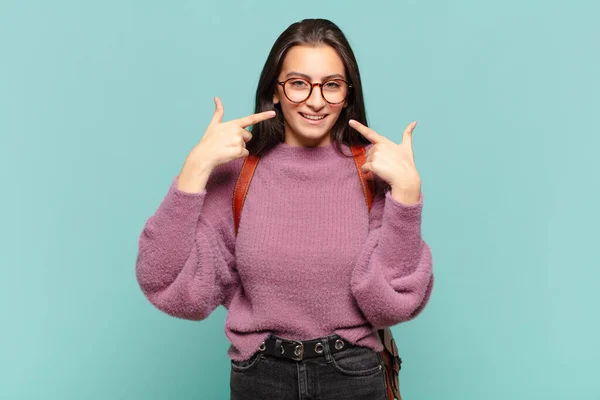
pixel 186 258
pixel 393 278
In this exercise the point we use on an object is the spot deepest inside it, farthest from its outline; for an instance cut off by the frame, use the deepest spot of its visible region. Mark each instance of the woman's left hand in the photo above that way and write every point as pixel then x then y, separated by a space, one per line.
pixel 392 162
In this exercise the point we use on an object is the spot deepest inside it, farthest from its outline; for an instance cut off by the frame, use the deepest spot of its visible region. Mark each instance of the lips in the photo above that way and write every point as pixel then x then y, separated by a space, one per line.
pixel 313 117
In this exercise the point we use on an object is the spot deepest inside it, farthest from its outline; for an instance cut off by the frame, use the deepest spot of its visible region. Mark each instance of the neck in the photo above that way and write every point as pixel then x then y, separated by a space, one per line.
pixel 295 140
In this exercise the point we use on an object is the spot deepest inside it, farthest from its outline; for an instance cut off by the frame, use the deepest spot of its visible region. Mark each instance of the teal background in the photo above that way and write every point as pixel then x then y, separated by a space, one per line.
pixel 100 103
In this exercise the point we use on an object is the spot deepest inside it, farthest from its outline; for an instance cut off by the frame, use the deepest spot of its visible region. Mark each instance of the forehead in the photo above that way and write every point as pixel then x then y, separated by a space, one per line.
pixel 315 61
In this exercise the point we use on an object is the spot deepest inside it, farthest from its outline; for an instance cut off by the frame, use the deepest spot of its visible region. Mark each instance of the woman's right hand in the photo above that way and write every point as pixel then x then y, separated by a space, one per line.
pixel 222 142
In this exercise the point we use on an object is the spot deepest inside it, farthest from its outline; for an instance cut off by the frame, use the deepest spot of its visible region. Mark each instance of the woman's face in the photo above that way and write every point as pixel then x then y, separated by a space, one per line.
pixel 316 64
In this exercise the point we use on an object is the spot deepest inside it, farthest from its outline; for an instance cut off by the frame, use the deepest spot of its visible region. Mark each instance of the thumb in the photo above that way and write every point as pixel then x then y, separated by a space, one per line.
pixel 219 111
pixel 408 132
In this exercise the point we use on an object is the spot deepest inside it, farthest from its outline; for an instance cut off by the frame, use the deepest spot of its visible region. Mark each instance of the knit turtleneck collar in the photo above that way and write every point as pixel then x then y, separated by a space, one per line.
pixel 303 153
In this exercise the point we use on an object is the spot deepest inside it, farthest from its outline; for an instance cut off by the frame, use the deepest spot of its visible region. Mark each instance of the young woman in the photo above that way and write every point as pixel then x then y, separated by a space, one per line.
pixel 311 272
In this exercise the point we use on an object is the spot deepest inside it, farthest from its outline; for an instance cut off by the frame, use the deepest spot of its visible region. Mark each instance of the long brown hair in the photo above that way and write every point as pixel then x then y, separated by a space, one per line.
pixel 313 32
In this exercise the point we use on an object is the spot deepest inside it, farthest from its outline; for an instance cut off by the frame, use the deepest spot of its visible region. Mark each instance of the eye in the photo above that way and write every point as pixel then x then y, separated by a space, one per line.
pixel 332 85
pixel 298 83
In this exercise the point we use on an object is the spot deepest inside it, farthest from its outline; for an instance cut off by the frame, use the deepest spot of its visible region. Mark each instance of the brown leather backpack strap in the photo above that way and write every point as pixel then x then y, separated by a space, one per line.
pixel 366 178
pixel 393 362
pixel 390 352
pixel 241 188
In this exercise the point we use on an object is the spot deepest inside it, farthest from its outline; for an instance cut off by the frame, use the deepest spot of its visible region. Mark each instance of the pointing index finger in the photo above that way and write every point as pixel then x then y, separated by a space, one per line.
pixel 367 132
pixel 255 118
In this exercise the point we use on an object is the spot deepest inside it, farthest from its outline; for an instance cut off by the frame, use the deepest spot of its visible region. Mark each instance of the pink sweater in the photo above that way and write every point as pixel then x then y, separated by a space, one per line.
pixel 309 260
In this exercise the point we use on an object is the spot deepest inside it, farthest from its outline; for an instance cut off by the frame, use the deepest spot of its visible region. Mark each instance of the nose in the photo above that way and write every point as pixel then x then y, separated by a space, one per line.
pixel 316 100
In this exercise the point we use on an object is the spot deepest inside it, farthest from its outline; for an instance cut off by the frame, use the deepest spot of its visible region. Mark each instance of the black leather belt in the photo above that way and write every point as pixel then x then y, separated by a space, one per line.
pixel 298 350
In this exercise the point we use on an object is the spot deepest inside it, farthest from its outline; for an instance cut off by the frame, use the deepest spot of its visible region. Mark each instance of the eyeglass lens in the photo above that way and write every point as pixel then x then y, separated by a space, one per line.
pixel 298 90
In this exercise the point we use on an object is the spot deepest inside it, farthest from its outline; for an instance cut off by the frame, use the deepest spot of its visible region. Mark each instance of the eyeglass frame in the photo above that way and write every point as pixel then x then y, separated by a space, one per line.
pixel 312 86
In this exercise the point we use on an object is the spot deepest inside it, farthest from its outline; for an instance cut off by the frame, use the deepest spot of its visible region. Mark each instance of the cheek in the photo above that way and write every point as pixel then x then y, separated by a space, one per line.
pixel 289 109
pixel 336 110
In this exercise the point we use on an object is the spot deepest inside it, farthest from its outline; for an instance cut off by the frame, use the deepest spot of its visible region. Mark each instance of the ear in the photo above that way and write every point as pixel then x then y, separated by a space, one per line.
pixel 275 97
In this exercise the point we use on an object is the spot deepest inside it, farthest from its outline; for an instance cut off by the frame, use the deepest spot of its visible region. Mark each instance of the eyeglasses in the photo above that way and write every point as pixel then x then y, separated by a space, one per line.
pixel 298 90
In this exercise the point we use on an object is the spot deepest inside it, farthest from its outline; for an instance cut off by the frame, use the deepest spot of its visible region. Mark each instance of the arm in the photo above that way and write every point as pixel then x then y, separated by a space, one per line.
pixel 186 263
pixel 393 278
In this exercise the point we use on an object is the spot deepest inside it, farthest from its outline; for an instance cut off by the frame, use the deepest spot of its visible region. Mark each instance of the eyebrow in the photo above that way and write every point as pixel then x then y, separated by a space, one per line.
pixel 308 77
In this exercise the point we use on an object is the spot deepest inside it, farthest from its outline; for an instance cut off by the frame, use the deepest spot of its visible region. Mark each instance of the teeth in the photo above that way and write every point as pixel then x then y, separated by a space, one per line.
pixel 313 117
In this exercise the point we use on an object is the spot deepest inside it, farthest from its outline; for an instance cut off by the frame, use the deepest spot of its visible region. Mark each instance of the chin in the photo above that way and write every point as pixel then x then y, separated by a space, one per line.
pixel 313 134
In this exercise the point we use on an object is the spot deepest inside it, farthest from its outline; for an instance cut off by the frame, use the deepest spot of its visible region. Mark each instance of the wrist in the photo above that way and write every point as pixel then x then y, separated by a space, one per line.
pixel 406 196
pixel 194 176
pixel 199 161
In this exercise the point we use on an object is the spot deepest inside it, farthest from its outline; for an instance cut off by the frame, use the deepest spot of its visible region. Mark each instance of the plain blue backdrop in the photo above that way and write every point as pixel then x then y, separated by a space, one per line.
pixel 100 102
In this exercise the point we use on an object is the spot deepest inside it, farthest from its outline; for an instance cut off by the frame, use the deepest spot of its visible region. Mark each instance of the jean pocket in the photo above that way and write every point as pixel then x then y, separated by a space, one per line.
pixel 246 365
pixel 358 361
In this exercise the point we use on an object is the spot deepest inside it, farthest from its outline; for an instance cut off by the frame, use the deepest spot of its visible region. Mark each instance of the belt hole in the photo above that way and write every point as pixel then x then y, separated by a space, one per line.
pixel 319 348
pixel 339 344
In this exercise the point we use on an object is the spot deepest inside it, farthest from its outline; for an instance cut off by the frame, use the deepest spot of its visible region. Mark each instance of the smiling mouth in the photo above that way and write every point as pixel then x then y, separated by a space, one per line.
pixel 313 117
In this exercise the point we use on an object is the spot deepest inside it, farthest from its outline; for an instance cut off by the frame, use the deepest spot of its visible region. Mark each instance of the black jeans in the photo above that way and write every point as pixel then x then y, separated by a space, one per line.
pixel 353 374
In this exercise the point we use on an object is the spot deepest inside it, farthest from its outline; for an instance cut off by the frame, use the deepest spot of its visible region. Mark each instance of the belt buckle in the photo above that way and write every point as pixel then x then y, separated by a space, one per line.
pixel 298 350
